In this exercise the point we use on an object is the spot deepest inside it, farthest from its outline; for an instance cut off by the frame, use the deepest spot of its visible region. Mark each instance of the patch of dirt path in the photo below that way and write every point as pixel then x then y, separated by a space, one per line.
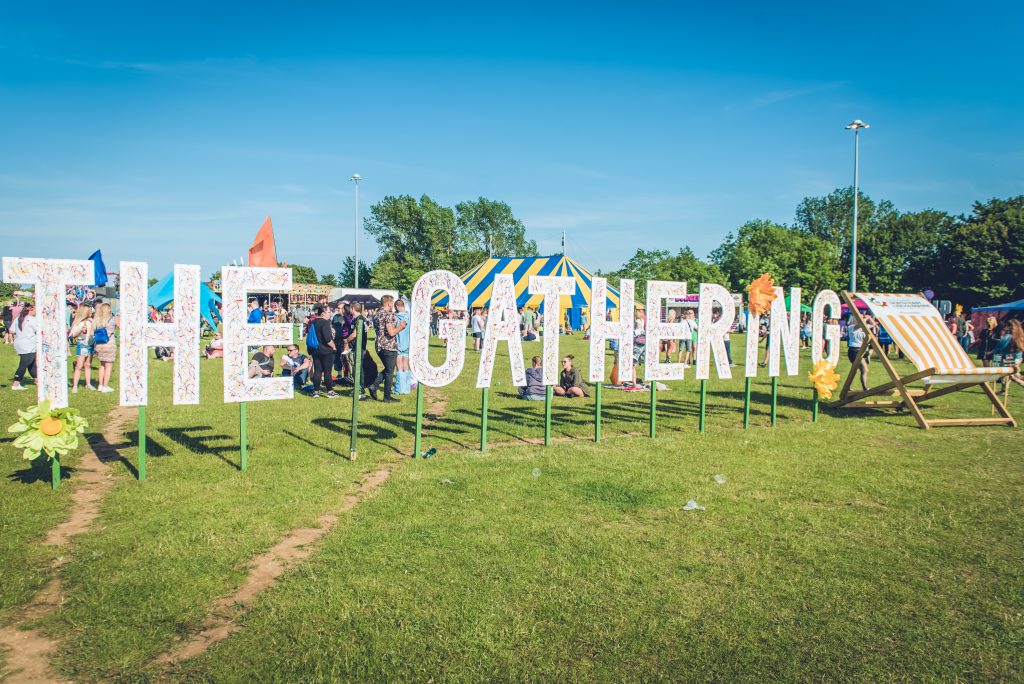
pixel 28 652
pixel 293 548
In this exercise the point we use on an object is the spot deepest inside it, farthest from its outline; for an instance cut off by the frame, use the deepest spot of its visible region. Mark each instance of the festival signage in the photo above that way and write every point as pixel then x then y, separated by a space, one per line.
pixel 716 318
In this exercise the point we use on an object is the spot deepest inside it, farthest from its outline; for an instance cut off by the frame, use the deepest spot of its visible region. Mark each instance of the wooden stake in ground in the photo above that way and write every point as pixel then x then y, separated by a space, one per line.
pixel 55 472
pixel 548 391
pixel 703 403
pixel 654 407
pixel 814 406
pixel 746 404
pixel 597 412
pixel 357 387
pixel 483 420
pixel 775 398
pixel 243 431
pixel 418 441
pixel 142 443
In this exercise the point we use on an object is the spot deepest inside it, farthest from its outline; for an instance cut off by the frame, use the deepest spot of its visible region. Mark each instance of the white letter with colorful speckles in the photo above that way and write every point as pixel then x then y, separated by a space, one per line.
pixel 453 332
pixel 239 334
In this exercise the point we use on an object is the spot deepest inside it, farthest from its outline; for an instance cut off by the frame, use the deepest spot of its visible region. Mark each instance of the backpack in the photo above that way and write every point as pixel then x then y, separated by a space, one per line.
pixel 312 343
pixel 101 336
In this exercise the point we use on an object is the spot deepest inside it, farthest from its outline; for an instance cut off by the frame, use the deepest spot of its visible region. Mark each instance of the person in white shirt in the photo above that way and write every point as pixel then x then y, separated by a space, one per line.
pixel 26 340
pixel 689 324
pixel 854 341
pixel 478 330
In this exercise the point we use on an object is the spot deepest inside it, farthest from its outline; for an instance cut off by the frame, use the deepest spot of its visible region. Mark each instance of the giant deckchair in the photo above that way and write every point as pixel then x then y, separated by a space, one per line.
pixel 941 363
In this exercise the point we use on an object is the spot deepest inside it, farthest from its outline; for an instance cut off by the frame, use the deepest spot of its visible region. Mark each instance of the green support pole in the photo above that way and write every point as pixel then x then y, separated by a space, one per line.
pixel 775 398
pixel 483 419
pixel 418 443
pixel 703 402
pixel 548 391
pixel 746 404
pixel 654 407
pixel 55 472
pixel 142 443
pixel 357 388
pixel 597 412
pixel 243 430
pixel 814 406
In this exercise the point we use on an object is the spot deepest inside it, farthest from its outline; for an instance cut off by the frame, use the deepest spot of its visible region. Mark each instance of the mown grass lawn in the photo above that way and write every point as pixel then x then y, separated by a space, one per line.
pixel 855 548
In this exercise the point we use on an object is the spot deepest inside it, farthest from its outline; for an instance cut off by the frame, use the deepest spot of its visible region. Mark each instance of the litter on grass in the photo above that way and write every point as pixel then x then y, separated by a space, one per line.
pixel 719 479
pixel 692 505
pixel 536 472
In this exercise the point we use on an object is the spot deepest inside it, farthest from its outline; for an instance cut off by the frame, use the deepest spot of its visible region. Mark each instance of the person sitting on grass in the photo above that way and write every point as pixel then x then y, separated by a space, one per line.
pixel 570 383
pixel 215 350
pixel 528 335
pixel 296 366
pixel 262 364
pixel 534 389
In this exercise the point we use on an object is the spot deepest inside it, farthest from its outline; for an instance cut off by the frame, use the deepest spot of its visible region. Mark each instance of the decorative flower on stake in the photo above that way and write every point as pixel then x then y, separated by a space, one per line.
pixel 762 294
pixel 824 378
pixel 55 432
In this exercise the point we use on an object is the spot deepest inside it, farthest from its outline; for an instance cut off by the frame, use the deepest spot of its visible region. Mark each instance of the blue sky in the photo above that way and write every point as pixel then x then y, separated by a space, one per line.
pixel 167 134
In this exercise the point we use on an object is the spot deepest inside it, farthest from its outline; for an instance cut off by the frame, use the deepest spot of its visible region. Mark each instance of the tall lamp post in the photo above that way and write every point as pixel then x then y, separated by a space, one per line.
pixel 355 271
pixel 856 126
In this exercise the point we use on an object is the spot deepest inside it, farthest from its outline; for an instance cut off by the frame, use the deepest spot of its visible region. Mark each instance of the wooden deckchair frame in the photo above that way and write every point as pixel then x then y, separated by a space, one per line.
pixel 911 398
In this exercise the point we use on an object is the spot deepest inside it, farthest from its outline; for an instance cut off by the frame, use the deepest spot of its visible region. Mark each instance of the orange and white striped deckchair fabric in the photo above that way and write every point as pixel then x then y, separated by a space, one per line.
pixel 917 327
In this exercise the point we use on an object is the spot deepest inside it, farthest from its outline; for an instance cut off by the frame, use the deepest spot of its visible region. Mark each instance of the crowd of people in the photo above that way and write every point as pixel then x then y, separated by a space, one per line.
pixel 330 333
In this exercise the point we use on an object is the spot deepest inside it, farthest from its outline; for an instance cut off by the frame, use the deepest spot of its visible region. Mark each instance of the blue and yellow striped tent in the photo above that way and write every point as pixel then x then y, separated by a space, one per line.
pixel 480 280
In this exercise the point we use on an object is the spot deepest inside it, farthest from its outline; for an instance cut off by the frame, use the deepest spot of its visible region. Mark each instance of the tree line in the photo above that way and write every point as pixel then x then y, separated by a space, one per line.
pixel 972 259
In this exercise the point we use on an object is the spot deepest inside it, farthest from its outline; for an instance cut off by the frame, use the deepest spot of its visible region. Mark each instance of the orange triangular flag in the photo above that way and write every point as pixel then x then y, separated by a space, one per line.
pixel 263 251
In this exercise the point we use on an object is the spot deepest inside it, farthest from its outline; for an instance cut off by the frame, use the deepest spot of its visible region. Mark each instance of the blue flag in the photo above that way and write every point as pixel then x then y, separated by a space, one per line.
pixel 101 268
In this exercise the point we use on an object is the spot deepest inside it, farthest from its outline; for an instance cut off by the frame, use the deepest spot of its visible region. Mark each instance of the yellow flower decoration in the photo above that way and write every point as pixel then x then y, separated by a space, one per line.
pixel 824 378
pixel 762 294
pixel 41 429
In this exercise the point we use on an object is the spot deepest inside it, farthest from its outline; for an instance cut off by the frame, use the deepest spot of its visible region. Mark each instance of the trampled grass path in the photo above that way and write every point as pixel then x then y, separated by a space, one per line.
pixel 293 548
pixel 28 650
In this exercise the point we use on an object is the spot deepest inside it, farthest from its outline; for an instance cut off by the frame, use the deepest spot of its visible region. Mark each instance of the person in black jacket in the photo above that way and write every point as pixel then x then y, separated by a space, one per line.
pixel 323 355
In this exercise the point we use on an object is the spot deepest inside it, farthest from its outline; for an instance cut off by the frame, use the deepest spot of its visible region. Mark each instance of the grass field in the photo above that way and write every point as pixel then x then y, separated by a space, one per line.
pixel 855 548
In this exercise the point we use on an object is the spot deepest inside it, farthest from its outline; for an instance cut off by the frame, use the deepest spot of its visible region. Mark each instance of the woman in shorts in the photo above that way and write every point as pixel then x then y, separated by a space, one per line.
pixel 82 335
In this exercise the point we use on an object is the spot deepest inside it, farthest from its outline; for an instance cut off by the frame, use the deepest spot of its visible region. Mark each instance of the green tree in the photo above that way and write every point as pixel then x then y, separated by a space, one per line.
pixel 344 278
pixel 413 238
pixel 793 257
pixel 981 261
pixel 303 274
pixel 329 279
pixel 830 218
pixel 487 227
pixel 899 253
pixel 660 264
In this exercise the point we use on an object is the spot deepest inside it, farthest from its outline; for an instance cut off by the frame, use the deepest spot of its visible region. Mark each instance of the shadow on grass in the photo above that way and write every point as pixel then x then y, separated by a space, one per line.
pixel 314 445
pixel 368 429
pixel 204 443
pixel 108 453
pixel 39 471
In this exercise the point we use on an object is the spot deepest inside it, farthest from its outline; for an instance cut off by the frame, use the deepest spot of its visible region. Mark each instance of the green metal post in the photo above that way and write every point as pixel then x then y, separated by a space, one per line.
pixel 142 443
pixel 244 431
pixel 418 443
pixel 703 402
pixel 597 412
pixel 775 398
pixel 746 405
pixel 548 391
pixel 654 406
pixel 55 472
pixel 357 387
pixel 483 420
pixel 814 407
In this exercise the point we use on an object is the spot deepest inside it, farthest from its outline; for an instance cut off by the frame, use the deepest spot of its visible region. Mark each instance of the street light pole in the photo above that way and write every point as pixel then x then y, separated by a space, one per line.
pixel 355 271
pixel 856 126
